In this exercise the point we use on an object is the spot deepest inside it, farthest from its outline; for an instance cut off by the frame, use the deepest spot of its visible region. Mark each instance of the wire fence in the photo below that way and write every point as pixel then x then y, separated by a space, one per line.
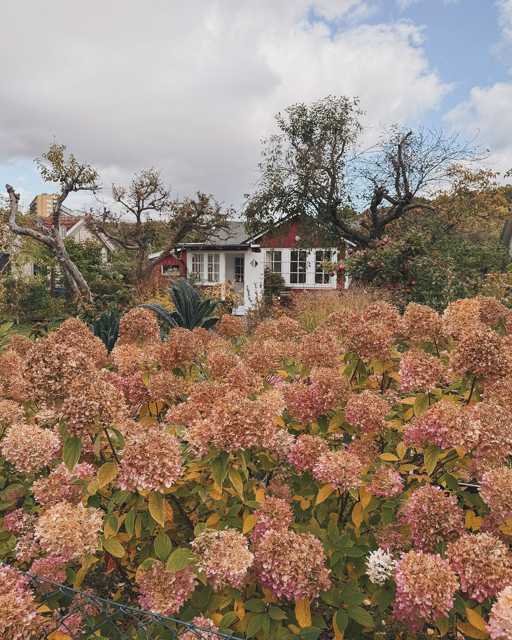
pixel 82 615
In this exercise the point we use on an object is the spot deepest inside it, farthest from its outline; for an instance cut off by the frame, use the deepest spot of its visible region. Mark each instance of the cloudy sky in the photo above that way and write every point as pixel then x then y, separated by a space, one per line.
pixel 191 87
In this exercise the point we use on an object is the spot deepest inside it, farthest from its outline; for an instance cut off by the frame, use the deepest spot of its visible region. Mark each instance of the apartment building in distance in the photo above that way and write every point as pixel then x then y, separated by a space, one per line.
pixel 42 204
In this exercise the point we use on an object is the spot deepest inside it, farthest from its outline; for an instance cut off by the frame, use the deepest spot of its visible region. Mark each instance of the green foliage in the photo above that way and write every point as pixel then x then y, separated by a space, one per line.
pixel 29 300
pixel 106 327
pixel 426 269
pixel 191 310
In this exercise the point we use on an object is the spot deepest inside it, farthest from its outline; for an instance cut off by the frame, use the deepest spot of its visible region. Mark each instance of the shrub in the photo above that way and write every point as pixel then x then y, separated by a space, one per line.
pixel 352 482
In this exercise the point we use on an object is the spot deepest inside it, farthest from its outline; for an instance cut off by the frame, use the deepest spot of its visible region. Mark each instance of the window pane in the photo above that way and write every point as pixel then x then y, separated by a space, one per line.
pixel 298 265
pixel 197 266
pixel 239 268
pixel 321 277
pixel 274 261
pixel 213 267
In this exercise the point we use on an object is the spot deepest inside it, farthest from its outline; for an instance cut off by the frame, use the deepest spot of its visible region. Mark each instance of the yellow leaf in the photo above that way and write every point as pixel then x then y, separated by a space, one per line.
pixel 259 495
pixel 216 492
pixel 401 449
pixel 388 457
pixel 338 635
pixel 282 373
pixel 248 523
pixel 147 421
pixel 443 626
pixel 58 635
pixel 410 400
pixel 279 422
pixel 472 521
pixel 335 423
pixel 213 520
pixel 294 629
pixel 357 515
pixel 239 609
pixel 237 482
pixel 169 513
pixel 156 508
pixel 303 612
pixel 365 497
pixel 476 620
pixel 216 617
pixel 506 527
pixel 269 596
pixel 324 492
pixel 469 631
pixel 409 414
pixel 114 547
pixel 44 608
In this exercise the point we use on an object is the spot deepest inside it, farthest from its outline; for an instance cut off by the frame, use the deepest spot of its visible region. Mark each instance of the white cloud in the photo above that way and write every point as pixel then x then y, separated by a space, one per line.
pixel 191 87
pixel 487 118
pixel 505 18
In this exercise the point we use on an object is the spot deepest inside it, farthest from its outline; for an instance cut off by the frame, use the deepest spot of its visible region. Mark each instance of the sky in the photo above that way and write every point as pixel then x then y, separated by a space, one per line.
pixel 191 87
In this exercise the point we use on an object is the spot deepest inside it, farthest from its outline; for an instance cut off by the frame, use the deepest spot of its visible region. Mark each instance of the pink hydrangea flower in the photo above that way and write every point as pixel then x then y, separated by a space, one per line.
pixel 164 591
pixel 500 620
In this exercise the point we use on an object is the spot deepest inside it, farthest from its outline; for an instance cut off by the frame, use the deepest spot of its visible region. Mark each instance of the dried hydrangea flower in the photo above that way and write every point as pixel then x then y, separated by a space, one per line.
pixel 367 410
pixel 482 562
pixel 74 332
pixel 280 328
pixel 419 371
pixel 70 531
pixel 165 592
pixel 386 482
pixel 274 513
pixel 339 468
pixel 151 461
pixel 480 353
pixel 19 616
pixel 29 448
pixel 138 326
pixel 10 412
pixel 420 324
pixel 442 424
pixel 224 557
pixel 500 620
pixel 320 348
pixel 433 516
pixel 92 405
pixel 183 348
pixel 425 587
pixel 380 566
pixel 205 628
pixel 292 565
pixel 496 492
pixel 63 485
pixel 306 451
pixel 323 392
pixel 230 326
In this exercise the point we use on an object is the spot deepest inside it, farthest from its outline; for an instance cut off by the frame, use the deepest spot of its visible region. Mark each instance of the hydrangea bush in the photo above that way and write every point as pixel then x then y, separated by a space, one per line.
pixel 351 480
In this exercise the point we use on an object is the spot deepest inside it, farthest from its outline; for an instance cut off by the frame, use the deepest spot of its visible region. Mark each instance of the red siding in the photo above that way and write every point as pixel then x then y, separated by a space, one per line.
pixel 291 235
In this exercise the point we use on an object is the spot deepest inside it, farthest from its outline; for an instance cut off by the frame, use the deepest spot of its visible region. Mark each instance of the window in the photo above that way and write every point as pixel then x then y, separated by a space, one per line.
pixel 213 267
pixel 197 266
pixel 321 276
pixel 298 266
pixel 170 270
pixel 274 261
pixel 239 268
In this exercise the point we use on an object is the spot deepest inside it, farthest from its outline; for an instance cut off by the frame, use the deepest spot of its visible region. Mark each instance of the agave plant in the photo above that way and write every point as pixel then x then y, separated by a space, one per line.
pixel 191 310
pixel 106 327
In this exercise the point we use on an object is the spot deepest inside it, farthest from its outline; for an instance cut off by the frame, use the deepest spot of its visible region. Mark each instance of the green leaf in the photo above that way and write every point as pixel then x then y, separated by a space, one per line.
pixel 163 546
pixel 219 468
pixel 341 619
pixel 255 605
pixel 71 452
pixel 114 547
pixel 361 616
pixel 431 457
pixel 351 595
pixel 110 526
pixel 277 614
pixel 313 633
pixel 228 620
pixel 421 404
pixel 179 559
pixel 129 522
pixel 254 624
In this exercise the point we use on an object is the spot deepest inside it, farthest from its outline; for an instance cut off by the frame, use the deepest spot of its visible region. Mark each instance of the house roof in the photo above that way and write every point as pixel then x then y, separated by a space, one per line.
pixel 233 233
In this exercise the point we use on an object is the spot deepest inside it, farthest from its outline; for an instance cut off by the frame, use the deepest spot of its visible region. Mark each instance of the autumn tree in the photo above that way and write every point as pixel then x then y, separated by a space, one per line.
pixel 72 176
pixel 314 166
pixel 147 218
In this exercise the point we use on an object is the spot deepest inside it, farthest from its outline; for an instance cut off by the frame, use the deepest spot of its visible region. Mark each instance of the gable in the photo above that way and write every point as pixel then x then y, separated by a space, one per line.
pixel 296 233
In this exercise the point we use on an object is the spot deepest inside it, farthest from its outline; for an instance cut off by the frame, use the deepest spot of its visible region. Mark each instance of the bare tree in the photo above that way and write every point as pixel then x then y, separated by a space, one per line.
pixel 72 176
pixel 148 217
pixel 313 166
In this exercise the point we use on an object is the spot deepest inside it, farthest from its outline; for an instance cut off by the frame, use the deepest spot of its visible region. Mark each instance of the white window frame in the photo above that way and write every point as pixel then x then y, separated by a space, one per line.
pixel 310 274
pixel 213 267
pixel 199 274
pixel 271 260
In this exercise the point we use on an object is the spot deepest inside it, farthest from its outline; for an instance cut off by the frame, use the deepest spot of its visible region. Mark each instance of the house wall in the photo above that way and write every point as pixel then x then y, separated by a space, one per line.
pixel 292 235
